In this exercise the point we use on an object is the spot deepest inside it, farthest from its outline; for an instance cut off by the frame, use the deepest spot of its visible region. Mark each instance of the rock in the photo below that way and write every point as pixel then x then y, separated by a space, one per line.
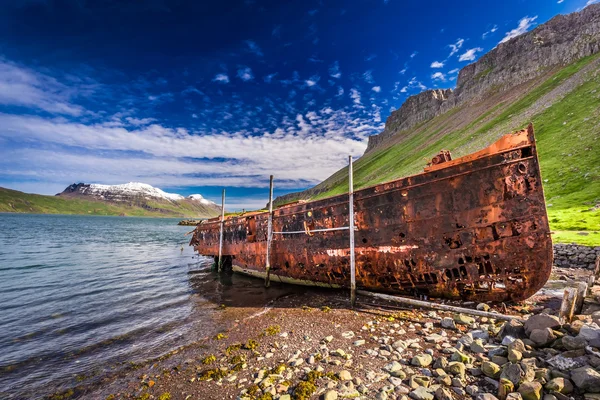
pixel 393 367
pixel 516 344
pixel 508 340
pixel 591 333
pixel 483 307
pixel 586 379
pixel 560 385
pixel 514 355
pixel 440 362
pixel 456 368
pixel 497 351
pixel 348 334
pixel 448 323
pixel 328 339
pixel 504 388
pixel 574 343
pixel 499 360
pixel 338 352
pixel 531 390
pixel 463 319
pixel 285 397
pixel 421 393
pixel 462 357
pixel 381 396
pixel 512 328
pixel 395 381
pixel 472 390
pixel 490 369
pixel 542 337
pixel 443 394
pixel 513 373
pixel 359 342
pixel 423 360
pixel 541 321
pixel 344 375
pixel 434 338
pixel 514 396
pixel 486 396
pixel 330 395
pixel 477 346
pixel 565 363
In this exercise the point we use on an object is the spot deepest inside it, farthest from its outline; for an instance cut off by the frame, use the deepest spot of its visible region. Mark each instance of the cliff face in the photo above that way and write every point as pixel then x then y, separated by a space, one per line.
pixel 560 41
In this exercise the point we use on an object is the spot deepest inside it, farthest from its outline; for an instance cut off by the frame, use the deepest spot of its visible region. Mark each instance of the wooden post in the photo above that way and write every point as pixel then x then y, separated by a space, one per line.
pixel 220 264
pixel 269 233
pixel 351 226
pixel 582 289
pixel 568 305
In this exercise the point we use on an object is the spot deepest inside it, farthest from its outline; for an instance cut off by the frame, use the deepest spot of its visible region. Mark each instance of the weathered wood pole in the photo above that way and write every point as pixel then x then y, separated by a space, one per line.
pixel 568 305
pixel 220 264
pixel 437 306
pixel 351 227
pixel 269 233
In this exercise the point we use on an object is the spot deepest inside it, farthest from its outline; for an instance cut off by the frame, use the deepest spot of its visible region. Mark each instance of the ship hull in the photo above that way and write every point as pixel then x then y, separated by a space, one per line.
pixel 474 228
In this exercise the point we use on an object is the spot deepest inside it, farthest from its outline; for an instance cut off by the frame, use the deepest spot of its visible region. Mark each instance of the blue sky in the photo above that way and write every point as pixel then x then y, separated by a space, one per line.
pixel 195 96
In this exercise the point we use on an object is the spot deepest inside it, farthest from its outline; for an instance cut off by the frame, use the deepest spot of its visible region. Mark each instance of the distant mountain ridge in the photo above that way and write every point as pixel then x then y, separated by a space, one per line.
pixel 133 198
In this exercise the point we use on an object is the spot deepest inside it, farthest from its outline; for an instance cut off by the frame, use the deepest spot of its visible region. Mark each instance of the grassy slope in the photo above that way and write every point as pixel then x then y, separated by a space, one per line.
pixel 568 134
pixel 15 201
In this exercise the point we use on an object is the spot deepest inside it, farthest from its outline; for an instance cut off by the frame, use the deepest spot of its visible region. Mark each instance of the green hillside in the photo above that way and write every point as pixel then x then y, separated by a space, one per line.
pixel 19 202
pixel 564 105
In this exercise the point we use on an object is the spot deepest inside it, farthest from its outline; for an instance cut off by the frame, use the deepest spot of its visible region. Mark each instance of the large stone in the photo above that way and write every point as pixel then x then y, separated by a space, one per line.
pixel 422 360
pixel 512 328
pixel 531 390
pixel 486 396
pixel 478 346
pixel 490 369
pixel 443 394
pixel 591 333
pixel 330 395
pixel 393 367
pixel 456 368
pixel 542 337
pixel 513 373
pixel 448 323
pixel 561 385
pixel 461 357
pixel 344 375
pixel 463 319
pixel 504 388
pixel 421 393
pixel 586 379
pixel 541 321
pixel 574 343
pixel 516 344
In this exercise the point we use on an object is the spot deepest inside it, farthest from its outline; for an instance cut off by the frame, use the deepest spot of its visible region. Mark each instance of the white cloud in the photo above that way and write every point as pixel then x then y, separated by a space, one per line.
pixel 370 57
pixel 485 34
pixel 340 91
pixel 253 47
pixel 402 71
pixel 312 81
pixel 590 2
pixel 355 95
pixel 269 78
pixel 524 24
pixel 376 89
pixel 453 71
pixel 23 87
pixel 368 76
pixel 438 76
pixel 414 54
pixel 454 48
pixel 222 78
pixel 470 54
pixel 245 74
pixel 334 70
pixel 437 64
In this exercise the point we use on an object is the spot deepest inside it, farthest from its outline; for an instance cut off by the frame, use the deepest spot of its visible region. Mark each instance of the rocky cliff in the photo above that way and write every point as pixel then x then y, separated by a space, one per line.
pixel 560 41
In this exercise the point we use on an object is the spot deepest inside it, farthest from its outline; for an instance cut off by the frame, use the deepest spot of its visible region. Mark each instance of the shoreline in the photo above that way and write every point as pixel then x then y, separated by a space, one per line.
pixel 313 342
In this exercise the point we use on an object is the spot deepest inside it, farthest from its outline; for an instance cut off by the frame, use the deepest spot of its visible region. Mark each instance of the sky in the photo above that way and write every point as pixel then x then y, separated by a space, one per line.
pixel 196 96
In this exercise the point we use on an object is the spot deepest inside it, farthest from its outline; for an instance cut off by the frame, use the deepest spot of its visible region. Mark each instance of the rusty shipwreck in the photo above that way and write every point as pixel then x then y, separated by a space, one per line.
pixel 472 228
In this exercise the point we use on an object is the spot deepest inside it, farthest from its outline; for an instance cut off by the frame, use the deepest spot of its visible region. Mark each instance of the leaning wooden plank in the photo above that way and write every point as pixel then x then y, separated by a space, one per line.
pixel 436 306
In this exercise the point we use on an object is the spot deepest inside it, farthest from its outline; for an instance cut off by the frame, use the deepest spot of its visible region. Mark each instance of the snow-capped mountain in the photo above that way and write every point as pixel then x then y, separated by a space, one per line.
pixel 140 195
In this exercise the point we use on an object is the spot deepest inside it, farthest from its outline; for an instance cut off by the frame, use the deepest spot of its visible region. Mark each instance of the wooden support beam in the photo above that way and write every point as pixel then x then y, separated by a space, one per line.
pixel 220 263
pixel 351 227
pixel 567 307
pixel 269 234
pixel 436 306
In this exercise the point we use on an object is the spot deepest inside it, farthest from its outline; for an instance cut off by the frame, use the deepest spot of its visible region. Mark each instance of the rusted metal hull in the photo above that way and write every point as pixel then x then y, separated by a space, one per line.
pixel 474 228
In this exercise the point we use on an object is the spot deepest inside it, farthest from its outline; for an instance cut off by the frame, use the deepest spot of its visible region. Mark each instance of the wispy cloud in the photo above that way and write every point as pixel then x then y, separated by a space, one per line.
pixel 414 54
pixel 222 78
pixel 492 30
pixel 312 81
pixel 524 24
pixel 368 76
pixel 376 89
pixel 253 47
pixel 590 2
pixel 21 86
pixel 245 74
pixel 276 31
pixel 455 47
pixel 370 57
pixel 470 54
pixel 438 76
pixel 355 96
pixel 334 70
pixel 269 78
pixel 437 64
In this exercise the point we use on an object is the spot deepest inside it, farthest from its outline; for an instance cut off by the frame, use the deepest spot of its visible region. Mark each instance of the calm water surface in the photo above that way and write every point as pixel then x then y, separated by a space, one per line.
pixel 80 296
